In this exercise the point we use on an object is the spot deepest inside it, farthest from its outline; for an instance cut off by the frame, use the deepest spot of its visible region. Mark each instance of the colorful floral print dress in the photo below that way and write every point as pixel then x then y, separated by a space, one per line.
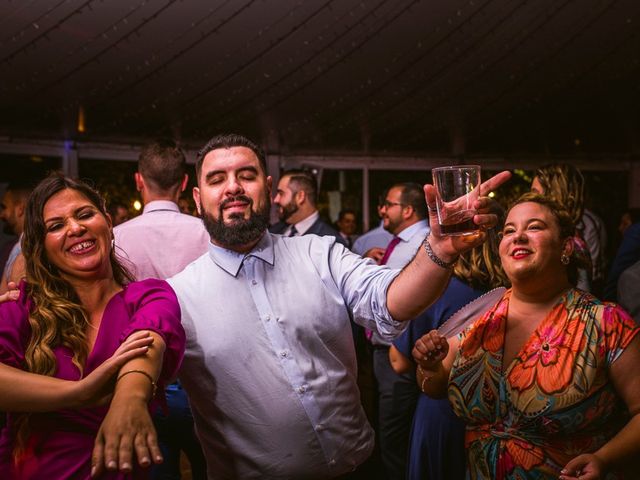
pixel 553 402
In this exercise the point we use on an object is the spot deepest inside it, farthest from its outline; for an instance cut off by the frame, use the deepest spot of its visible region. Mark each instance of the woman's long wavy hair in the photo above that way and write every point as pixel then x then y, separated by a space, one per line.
pixel 57 317
pixel 480 267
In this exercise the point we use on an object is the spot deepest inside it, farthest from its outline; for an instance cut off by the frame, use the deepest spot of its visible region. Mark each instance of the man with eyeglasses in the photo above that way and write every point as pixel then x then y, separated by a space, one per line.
pixel 373 243
pixel 404 215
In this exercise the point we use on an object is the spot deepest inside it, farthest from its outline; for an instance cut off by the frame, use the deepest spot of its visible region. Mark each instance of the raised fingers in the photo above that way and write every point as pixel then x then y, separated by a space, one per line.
pixel 494 182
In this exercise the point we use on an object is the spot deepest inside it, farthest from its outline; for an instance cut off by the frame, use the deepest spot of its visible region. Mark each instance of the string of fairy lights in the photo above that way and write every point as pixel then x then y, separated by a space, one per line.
pixel 317 72
pixel 491 96
pixel 45 32
pixel 33 25
pixel 407 101
pixel 190 101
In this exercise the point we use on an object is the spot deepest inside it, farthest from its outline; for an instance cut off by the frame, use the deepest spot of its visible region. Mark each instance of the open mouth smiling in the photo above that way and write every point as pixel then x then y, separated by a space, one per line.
pixel 82 247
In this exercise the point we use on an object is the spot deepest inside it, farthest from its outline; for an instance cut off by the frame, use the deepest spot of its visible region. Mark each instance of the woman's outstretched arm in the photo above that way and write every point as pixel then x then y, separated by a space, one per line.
pixel 29 392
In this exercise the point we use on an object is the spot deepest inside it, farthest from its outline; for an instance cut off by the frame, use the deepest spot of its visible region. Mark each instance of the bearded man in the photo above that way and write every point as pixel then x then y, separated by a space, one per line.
pixel 296 199
pixel 270 366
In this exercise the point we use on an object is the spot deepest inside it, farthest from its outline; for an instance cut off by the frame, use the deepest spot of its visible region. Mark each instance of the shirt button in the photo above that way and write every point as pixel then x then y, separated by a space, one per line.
pixel 302 388
pixel 320 427
pixel 253 282
pixel 267 318
pixel 278 319
pixel 332 462
pixel 284 353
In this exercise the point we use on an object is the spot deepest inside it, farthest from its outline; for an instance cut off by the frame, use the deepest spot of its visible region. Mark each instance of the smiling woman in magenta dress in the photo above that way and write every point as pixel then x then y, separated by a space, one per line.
pixel 68 342
pixel 60 442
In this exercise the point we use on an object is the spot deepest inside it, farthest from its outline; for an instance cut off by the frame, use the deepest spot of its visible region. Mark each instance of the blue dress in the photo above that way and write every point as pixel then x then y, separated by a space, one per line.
pixel 436 446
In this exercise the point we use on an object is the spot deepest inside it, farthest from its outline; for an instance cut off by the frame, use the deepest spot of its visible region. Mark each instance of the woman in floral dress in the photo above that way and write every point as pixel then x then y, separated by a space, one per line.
pixel 547 380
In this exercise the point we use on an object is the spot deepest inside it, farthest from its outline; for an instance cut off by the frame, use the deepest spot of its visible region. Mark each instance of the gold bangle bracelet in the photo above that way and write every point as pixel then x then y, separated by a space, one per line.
pixel 424 378
pixel 141 372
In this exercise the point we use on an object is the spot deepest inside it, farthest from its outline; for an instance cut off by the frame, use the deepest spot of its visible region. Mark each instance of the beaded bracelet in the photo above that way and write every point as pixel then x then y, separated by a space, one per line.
pixel 434 258
pixel 142 372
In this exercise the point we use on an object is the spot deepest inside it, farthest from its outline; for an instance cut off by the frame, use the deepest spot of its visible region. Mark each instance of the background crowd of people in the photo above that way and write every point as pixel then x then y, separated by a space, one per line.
pixel 289 340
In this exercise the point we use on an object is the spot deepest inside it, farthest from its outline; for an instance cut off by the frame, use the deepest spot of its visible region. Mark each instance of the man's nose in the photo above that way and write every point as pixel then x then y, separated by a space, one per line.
pixel 233 186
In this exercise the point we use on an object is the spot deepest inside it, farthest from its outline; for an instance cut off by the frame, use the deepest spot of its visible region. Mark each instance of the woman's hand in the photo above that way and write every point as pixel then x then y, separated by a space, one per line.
pixel 11 294
pixel 97 387
pixel 584 467
pixel 449 247
pixel 126 427
pixel 429 350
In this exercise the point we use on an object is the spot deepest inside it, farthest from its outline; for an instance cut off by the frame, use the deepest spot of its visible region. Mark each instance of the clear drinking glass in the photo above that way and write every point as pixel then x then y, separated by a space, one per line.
pixel 457 188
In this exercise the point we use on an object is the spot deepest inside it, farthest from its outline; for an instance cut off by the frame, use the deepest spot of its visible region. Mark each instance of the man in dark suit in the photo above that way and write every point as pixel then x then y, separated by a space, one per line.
pixel 296 198
pixel 347 224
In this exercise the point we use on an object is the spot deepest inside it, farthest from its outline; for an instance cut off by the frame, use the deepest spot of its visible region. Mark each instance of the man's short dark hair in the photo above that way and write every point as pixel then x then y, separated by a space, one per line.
pixel 20 190
pixel 114 206
pixel 347 211
pixel 413 195
pixel 303 180
pixel 162 163
pixel 382 197
pixel 229 140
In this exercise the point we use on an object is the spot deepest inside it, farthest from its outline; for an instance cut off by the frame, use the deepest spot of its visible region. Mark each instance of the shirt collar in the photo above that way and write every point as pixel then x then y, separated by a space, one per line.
pixel 156 205
pixel 303 225
pixel 231 262
pixel 406 234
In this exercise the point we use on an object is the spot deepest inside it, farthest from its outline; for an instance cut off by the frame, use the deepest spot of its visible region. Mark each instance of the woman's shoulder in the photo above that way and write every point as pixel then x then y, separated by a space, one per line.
pixel 606 315
pixel 148 289
pixel 587 301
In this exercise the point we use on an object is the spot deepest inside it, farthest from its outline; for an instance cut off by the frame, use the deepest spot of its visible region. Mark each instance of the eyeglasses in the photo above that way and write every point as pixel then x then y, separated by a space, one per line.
pixel 388 204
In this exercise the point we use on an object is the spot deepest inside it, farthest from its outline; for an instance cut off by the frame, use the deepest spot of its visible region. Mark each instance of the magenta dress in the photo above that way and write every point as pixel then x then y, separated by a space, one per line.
pixel 60 442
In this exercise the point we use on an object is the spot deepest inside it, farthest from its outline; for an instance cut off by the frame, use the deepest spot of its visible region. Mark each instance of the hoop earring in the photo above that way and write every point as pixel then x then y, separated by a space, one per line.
pixel 565 259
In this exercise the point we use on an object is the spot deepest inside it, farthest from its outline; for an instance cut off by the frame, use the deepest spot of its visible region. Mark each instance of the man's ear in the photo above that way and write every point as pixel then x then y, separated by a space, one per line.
pixel 21 209
pixel 185 180
pixel 196 199
pixel 300 197
pixel 269 185
pixel 407 212
pixel 139 181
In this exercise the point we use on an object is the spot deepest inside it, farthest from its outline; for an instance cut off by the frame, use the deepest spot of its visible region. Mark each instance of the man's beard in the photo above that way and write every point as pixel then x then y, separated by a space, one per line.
pixel 287 210
pixel 239 231
pixel 391 226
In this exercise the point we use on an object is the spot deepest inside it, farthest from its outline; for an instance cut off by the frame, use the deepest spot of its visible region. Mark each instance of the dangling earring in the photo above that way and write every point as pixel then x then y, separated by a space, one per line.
pixel 565 259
